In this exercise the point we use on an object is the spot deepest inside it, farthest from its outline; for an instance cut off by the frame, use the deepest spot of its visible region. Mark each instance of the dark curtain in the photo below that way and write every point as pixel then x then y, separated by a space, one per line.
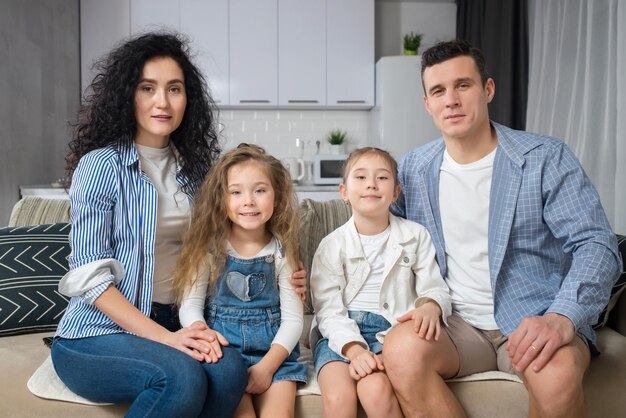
pixel 500 29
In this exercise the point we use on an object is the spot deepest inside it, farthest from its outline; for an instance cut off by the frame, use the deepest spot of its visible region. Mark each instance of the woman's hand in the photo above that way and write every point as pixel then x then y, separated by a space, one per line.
pixel 198 341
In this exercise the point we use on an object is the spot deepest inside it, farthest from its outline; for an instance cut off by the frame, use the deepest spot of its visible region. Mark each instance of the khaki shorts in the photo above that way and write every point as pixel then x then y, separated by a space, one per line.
pixel 480 350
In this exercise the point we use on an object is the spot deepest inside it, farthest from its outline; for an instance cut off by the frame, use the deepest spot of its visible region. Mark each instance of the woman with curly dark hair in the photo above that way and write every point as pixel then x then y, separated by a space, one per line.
pixel 144 141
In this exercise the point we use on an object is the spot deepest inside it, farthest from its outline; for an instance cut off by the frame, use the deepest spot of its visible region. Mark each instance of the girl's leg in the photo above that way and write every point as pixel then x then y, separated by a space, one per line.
pixel 245 408
pixel 339 393
pixel 279 401
pixel 377 396
pixel 227 380
pixel 158 380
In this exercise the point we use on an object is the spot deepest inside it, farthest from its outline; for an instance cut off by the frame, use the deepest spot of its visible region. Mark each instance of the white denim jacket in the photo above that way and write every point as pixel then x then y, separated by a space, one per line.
pixel 340 268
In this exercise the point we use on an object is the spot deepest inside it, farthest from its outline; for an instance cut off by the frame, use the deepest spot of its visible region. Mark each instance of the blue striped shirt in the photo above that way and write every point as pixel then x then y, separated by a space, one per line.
pixel 113 215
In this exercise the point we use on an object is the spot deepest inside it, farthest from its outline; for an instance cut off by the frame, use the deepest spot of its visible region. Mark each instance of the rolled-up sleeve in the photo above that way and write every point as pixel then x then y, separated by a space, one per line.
pixel 92 197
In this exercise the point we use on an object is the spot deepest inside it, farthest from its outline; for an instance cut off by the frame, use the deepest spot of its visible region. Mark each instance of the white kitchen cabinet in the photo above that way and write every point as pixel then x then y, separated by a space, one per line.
pixel 102 25
pixel 253 35
pixel 301 53
pixel 154 14
pixel 254 53
pixel 206 23
pixel 350 53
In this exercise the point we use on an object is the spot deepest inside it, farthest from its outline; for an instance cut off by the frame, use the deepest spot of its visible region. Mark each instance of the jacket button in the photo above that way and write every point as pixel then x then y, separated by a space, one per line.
pixel 386 305
pixel 405 259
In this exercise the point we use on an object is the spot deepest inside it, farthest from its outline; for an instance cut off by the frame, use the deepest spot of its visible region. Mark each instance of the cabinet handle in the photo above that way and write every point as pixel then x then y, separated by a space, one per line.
pixel 254 101
pixel 302 101
pixel 350 101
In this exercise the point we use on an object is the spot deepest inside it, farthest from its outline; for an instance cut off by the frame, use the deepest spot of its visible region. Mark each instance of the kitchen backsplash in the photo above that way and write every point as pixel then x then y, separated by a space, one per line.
pixel 277 130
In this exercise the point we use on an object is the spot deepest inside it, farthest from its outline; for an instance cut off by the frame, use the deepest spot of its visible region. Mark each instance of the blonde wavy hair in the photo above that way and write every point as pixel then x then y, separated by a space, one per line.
pixel 204 245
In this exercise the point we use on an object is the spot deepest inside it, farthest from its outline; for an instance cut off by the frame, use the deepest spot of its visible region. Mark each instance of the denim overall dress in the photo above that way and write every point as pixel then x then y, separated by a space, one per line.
pixel 245 309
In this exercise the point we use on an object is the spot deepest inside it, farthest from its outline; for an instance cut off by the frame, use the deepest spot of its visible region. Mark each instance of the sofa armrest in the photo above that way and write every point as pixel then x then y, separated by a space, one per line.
pixel 34 210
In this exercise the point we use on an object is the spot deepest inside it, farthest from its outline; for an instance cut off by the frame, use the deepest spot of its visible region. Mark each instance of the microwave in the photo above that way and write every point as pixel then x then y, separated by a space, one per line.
pixel 328 168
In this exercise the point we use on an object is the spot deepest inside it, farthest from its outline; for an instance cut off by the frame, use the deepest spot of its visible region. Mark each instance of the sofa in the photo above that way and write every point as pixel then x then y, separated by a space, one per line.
pixel 32 259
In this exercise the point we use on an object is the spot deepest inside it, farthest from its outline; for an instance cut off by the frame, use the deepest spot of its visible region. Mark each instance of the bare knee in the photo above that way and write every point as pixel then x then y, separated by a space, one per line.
pixel 376 394
pixel 400 344
pixel 411 359
pixel 340 402
pixel 557 389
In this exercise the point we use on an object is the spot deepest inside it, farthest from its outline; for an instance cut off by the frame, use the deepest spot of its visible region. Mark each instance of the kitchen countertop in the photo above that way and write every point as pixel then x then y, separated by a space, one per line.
pixel 317 188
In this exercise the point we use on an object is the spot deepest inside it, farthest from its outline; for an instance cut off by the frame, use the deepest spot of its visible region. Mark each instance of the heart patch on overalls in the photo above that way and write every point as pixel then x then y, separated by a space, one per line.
pixel 247 287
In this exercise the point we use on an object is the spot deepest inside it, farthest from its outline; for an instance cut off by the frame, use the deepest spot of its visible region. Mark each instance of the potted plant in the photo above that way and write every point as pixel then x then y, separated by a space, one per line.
pixel 336 139
pixel 412 43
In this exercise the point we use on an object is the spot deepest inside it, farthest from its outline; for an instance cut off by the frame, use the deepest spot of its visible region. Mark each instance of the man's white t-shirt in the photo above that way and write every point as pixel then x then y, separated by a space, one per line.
pixel 464 204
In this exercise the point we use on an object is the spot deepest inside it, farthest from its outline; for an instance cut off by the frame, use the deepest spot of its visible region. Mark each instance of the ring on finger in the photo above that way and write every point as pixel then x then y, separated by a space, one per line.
pixel 532 347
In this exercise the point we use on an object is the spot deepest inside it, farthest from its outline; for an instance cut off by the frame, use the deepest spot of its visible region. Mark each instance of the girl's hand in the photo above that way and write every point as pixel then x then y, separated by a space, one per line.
pixel 259 379
pixel 425 320
pixel 362 361
pixel 365 364
pixel 298 281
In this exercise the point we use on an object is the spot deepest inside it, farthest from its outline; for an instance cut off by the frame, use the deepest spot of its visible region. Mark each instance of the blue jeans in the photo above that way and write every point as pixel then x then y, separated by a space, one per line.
pixel 160 381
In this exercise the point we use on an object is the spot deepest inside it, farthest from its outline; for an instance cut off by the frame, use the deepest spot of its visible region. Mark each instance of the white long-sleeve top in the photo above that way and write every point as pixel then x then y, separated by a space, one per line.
pixel 340 268
pixel 291 314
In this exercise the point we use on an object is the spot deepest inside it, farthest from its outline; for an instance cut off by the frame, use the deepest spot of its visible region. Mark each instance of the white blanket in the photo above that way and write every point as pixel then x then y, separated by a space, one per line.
pixel 46 384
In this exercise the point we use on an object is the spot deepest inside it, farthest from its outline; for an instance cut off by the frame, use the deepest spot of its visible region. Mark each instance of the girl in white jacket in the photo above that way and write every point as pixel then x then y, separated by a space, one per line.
pixel 368 275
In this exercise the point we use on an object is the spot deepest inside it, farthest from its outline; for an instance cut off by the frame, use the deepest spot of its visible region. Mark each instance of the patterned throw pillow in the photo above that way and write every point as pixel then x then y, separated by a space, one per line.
pixel 32 261
pixel 618 287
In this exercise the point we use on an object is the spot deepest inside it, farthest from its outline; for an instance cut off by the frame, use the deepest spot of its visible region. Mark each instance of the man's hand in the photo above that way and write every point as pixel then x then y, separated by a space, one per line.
pixel 298 281
pixel 537 338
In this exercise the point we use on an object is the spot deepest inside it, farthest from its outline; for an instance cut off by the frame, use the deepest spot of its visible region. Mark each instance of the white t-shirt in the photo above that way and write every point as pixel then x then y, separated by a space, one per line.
pixel 464 204
pixel 368 297
pixel 173 211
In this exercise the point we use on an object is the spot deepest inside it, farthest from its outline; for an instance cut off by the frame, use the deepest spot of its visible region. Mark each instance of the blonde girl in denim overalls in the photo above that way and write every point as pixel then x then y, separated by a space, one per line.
pixel 233 275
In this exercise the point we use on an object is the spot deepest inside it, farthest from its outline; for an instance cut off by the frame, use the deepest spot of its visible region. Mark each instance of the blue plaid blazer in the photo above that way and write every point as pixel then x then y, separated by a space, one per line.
pixel 551 248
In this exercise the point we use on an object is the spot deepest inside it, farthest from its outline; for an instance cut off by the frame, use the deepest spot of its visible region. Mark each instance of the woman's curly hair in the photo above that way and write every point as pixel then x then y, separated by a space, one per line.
pixel 204 246
pixel 107 116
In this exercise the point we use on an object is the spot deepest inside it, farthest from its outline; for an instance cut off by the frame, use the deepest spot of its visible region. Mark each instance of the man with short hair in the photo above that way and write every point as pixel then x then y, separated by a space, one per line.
pixel 523 243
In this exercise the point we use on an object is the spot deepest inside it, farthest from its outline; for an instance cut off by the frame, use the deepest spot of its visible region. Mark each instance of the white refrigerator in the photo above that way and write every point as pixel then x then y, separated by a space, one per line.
pixel 399 122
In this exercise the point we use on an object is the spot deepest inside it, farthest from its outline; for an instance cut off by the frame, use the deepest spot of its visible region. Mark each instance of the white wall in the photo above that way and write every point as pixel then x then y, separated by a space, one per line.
pixel 436 20
pixel 40 89
pixel 277 130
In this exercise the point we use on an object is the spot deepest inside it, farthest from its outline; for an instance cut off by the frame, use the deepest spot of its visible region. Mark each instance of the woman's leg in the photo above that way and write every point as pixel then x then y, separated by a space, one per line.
pixel 227 380
pixel 159 381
